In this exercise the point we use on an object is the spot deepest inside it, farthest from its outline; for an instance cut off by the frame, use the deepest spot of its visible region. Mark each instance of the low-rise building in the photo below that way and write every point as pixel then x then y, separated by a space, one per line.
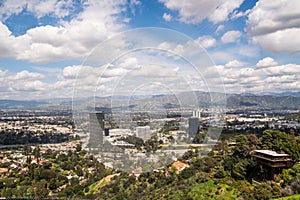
pixel 180 166
pixel 273 159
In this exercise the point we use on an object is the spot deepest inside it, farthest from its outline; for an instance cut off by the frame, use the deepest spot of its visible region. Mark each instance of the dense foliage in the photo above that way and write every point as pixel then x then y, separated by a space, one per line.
pixel 227 172
pixel 59 176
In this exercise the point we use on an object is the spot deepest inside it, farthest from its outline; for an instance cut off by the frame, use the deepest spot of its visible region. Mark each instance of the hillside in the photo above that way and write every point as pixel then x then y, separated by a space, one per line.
pixel 241 101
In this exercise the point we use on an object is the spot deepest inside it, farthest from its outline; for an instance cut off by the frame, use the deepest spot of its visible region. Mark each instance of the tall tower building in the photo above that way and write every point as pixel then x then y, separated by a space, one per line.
pixel 193 125
pixel 197 113
pixel 96 129
pixel 143 132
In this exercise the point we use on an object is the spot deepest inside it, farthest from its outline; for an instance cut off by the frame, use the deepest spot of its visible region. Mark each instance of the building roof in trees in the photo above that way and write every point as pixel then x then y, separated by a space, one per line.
pixel 271 153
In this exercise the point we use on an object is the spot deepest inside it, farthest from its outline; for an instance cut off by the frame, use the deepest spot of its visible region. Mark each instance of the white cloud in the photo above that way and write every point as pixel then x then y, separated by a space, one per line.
pixel 4 31
pixel 190 50
pixel 72 39
pixel 167 17
pixel 152 71
pixel 236 14
pixel 222 56
pixel 266 62
pixel 231 36
pixel 28 75
pixel 71 72
pixel 234 63
pixel 131 74
pixel 206 41
pixel 129 63
pixel 275 25
pixel 195 11
pixel 282 79
pixel 6 42
pixel 237 52
pixel 29 86
pixel 248 50
pixel 192 11
pixel 286 40
pixel 133 4
pixel 114 72
pixel 23 84
pixel 268 77
pixel 280 70
pixel 222 12
pixel 219 28
pixel 40 8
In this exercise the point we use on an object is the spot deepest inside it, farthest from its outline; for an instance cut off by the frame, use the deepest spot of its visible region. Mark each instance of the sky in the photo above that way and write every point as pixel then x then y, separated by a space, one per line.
pixel 48 47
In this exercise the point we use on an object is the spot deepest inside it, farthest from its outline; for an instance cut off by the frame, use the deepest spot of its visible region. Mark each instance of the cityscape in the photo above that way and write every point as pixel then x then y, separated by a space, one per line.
pixel 39 144
pixel 139 100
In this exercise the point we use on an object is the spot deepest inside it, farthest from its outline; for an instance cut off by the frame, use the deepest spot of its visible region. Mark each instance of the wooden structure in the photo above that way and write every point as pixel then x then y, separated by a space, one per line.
pixel 273 161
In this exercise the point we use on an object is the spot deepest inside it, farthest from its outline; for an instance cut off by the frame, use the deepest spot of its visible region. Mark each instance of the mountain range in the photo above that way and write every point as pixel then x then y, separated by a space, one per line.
pixel 271 101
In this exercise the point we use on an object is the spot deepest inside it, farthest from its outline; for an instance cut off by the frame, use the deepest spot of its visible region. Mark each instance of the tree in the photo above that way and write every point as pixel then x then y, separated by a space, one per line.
pixel 280 141
pixel 78 147
pixel 220 173
pixel 295 184
pixel 37 152
pixel 39 189
pixel 53 184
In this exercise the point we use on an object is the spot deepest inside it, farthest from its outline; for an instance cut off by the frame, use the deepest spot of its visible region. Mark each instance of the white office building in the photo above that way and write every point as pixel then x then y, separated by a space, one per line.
pixel 143 132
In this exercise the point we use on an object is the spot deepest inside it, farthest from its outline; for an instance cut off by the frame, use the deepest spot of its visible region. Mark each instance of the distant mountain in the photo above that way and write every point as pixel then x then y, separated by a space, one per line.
pixel 264 101
pixel 294 94
pixel 245 100
pixel 21 104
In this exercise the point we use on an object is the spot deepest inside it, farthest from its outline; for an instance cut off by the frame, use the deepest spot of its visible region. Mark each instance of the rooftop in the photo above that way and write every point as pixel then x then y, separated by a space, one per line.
pixel 271 153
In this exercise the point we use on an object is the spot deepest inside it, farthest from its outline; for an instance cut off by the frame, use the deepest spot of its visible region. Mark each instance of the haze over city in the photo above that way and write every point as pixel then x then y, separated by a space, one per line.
pixel 150 99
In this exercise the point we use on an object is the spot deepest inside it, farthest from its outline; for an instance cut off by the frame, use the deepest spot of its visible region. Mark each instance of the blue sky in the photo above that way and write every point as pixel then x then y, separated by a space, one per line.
pixel 44 44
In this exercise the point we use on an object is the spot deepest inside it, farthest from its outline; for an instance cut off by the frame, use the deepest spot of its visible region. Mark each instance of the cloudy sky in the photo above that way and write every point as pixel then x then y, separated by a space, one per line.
pixel 45 45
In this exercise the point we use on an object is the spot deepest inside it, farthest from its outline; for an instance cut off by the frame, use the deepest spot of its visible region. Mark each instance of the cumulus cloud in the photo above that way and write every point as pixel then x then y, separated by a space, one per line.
pixel 266 62
pixel 268 77
pixel 167 17
pixel 234 63
pixel 192 11
pixel 236 52
pixel 275 25
pixel 219 28
pixel 72 39
pixel 280 70
pixel 22 85
pixel 129 63
pixel 40 8
pixel 231 36
pixel 206 41
pixel 195 11
pixel 130 73
pixel 29 86
pixel 237 14
pixel 28 75
pixel 224 10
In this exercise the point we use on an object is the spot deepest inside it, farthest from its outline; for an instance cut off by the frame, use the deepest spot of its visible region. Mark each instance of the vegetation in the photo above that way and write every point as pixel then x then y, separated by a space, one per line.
pixel 227 172
pixel 63 175
pixel 28 137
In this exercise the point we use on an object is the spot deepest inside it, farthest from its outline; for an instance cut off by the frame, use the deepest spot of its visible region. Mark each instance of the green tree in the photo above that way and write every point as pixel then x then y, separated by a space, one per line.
pixel 280 141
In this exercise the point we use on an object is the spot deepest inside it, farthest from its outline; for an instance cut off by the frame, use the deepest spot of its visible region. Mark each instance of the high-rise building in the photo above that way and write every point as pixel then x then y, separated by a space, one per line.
pixel 143 132
pixel 96 129
pixel 197 113
pixel 193 125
